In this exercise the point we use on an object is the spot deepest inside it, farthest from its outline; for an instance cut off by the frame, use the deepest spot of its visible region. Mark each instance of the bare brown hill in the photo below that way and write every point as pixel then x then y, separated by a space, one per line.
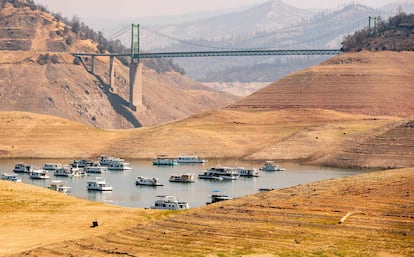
pixel 38 74
pixel 299 221
pixel 319 137
pixel 371 83
pixel 391 147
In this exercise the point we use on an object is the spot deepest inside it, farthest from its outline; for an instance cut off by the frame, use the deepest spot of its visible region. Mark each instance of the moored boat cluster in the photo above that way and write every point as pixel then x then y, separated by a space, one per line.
pixel 77 168
pixel 83 167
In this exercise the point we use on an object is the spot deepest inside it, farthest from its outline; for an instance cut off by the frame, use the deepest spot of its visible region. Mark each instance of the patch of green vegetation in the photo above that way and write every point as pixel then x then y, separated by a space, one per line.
pixel 320 253
pixel 244 252
pixel 292 254
pixel 340 254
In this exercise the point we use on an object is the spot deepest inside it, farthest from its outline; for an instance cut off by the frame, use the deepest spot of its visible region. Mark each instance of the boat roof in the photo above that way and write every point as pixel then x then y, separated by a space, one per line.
pixel 10 175
pixel 56 182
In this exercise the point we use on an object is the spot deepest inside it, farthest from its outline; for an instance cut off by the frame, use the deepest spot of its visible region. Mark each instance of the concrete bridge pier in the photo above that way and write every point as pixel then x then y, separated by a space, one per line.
pixel 135 85
pixel 93 64
pixel 111 72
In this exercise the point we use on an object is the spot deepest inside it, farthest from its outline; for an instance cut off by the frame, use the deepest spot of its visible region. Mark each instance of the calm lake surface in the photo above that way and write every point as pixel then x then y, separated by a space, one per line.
pixel 126 193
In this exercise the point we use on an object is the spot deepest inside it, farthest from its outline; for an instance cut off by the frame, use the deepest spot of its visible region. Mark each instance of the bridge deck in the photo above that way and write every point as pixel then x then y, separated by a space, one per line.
pixel 220 53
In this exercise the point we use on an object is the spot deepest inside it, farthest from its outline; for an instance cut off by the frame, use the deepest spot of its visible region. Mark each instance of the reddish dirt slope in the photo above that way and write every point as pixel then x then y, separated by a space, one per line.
pixel 372 83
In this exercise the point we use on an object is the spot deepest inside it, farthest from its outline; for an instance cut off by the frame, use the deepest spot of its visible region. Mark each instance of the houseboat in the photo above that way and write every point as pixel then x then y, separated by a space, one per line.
pixel 119 164
pixel 248 172
pixel 79 172
pixel 51 166
pixel 217 197
pixel 11 177
pixel 105 160
pixel 220 173
pixel 81 163
pixel 163 160
pixel 271 166
pixel 39 174
pixel 98 184
pixel 184 178
pixel 189 159
pixel 64 171
pixel 148 181
pixel 96 167
pixel 169 202
pixel 22 168
pixel 59 186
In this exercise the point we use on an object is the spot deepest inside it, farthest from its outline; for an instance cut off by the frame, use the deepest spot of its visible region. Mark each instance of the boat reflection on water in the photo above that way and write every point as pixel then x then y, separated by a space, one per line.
pixel 100 196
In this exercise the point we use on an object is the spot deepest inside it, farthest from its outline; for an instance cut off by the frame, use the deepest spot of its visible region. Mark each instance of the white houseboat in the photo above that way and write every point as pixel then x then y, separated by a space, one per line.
pixel 96 167
pixel 189 159
pixel 64 171
pixel 22 168
pixel 11 177
pixel 169 202
pixel 271 166
pixel 119 164
pixel 105 160
pixel 163 160
pixel 59 186
pixel 220 173
pixel 248 172
pixel 98 184
pixel 39 174
pixel 148 181
pixel 79 172
pixel 51 166
pixel 184 178
pixel 81 163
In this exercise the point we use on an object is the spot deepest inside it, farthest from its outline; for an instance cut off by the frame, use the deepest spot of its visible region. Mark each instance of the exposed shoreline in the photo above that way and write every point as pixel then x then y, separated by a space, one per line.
pixel 302 219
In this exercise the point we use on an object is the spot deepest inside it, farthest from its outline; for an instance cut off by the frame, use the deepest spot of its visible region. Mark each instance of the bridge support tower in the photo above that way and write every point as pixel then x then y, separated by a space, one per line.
pixel 135 71
pixel 111 72
pixel 93 65
pixel 135 85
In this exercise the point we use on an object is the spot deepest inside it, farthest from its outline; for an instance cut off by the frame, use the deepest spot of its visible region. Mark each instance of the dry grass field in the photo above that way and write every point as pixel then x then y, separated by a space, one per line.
pixel 297 221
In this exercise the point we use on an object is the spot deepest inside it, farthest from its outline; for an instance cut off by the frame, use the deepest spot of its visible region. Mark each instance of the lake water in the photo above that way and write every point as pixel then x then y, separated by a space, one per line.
pixel 126 193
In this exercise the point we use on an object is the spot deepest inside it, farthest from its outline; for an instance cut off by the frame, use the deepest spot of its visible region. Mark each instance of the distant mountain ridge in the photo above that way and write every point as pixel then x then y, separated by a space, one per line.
pixel 269 16
pixel 273 24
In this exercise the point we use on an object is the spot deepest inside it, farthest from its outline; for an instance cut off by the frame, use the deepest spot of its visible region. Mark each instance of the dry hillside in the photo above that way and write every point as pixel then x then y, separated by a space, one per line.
pixel 371 83
pixel 310 136
pixel 38 74
pixel 297 221
pixel 343 125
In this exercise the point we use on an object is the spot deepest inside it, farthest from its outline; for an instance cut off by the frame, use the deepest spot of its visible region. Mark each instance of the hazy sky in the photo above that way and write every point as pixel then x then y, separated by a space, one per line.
pixel 146 8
